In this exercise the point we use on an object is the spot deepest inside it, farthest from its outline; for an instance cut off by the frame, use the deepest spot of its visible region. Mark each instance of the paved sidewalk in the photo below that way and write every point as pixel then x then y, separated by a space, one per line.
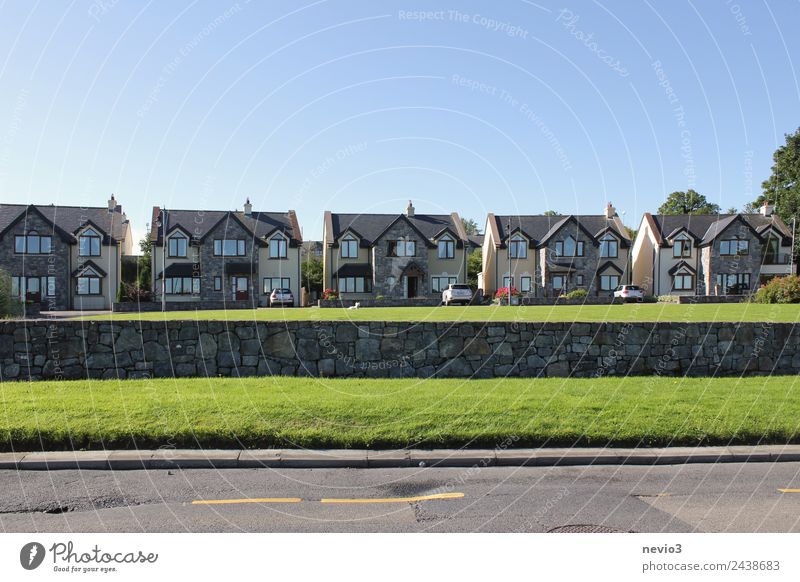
pixel 299 458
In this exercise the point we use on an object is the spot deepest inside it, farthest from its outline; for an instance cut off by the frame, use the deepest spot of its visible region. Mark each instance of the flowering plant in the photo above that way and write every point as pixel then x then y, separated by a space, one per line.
pixel 330 294
pixel 502 293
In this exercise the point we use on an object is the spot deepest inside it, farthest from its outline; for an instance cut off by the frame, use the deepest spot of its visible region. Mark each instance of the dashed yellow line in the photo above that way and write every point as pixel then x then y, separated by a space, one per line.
pixel 397 499
pixel 789 490
pixel 258 500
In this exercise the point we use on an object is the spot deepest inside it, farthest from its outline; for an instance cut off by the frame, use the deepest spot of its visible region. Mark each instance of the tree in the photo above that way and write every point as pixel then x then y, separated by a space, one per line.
pixel 552 213
pixel 732 210
pixel 8 305
pixel 689 202
pixel 312 274
pixel 474 266
pixel 632 232
pixel 145 269
pixel 470 226
pixel 782 188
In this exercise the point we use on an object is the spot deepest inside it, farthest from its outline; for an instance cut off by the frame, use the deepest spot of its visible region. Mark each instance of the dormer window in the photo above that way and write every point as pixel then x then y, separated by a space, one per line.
pixel 89 244
pixel 88 282
pixel 178 244
pixel 518 247
pixel 609 246
pixel 682 248
pixel 32 244
pixel 447 247
pixel 277 247
pixel 569 247
pixel 349 247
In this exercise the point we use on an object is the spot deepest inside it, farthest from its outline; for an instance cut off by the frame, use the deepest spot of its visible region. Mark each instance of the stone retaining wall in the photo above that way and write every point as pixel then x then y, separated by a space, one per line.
pixel 149 306
pixel 385 302
pixel 131 349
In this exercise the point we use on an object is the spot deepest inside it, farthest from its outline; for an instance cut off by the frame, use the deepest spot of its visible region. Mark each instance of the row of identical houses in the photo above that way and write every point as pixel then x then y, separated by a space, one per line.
pixel 70 257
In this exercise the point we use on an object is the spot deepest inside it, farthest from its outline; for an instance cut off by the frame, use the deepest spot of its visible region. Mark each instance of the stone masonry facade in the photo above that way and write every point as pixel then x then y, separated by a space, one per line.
pixel 59 349
pixel 386 266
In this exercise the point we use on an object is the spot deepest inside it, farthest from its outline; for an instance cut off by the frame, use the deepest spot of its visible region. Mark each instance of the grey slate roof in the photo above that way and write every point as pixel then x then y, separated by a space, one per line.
pixel 198 223
pixel 370 226
pixel 539 228
pixel 70 219
pixel 706 227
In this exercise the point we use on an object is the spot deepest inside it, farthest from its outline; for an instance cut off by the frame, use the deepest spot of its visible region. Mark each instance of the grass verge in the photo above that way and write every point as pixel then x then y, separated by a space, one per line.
pixel 732 312
pixel 346 413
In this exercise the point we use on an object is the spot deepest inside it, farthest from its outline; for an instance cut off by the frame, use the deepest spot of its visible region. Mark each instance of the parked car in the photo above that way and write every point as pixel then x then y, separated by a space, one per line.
pixel 457 294
pixel 629 292
pixel 282 297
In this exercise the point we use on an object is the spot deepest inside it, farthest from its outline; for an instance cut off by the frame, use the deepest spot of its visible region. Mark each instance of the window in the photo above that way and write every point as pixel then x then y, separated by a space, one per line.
pixel 733 282
pixel 217 283
pixel 439 284
pixel 447 248
pixel 609 282
pixel 354 285
pixel 32 244
pixel 402 248
pixel 508 281
pixel 178 244
pixel 579 279
pixel 729 248
pixel 525 284
pixel 683 282
pixel 349 247
pixel 271 283
pixel 558 282
pixel 21 286
pixel 277 247
pixel 569 248
pixel 609 246
pixel 182 285
pixel 682 249
pixel 229 247
pixel 88 285
pixel 89 244
pixel 518 247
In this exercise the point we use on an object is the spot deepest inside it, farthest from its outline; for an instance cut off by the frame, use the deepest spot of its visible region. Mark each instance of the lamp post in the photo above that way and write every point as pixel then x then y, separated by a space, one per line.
pixel 162 222
pixel 510 276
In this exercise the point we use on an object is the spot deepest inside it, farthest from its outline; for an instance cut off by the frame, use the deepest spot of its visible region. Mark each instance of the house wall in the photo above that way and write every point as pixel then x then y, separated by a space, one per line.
pixel 643 259
pixel 385 266
pixel 288 267
pixel 332 261
pixel 455 267
pixel 55 264
pixel 110 261
pixel 749 263
pixel 158 261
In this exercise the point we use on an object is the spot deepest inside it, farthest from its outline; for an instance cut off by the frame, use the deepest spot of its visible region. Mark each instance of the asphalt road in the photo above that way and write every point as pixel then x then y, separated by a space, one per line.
pixel 677 498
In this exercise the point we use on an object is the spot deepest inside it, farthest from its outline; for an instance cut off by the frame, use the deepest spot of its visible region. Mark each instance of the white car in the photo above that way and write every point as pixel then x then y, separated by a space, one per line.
pixel 457 294
pixel 282 297
pixel 629 292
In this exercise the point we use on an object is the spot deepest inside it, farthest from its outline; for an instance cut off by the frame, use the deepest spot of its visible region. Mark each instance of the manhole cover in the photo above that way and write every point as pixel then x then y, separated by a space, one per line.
pixel 585 528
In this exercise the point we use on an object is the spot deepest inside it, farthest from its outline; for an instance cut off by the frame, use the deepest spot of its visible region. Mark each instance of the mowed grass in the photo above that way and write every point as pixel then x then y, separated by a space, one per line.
pixel 347 413
pixel 732 312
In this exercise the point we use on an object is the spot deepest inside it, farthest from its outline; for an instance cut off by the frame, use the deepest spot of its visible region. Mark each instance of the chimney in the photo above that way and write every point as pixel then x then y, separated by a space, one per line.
pixel 248 208
pixel 410 209
pixel 766 209
pixel 112 204
pixel 611 212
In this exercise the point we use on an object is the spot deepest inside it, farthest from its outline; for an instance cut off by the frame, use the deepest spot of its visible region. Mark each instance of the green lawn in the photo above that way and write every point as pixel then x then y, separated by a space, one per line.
pixel 583 313
pixel 295 412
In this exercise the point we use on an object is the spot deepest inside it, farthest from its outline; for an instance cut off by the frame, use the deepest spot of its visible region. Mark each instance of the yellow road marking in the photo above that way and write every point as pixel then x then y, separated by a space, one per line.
pixel 397 499
pixel 261 500
pixel 789 490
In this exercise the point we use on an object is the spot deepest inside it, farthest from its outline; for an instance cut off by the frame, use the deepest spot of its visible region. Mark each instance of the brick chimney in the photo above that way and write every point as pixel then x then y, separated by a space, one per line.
pixel 248 208
pixel 610 211
pixel 112 204
pixel 766 209
pixel 410 209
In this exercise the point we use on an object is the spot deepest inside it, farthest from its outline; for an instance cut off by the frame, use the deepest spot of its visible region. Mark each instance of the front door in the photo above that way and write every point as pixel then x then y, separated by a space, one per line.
pixel 240 287
pixel 32 291
pixel 412 286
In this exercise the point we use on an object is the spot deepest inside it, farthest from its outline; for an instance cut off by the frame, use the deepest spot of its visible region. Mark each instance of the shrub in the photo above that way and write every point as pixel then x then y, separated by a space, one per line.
pixel 577 294
pixel 132 292
pixel 779 290
pixel 330 294
pixel 650 299
pixel 9 306
pixel 502 293
pixel 667 298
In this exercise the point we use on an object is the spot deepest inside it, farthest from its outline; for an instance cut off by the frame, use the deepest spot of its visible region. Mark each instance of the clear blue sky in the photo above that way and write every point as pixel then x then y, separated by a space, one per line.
pixel 352 106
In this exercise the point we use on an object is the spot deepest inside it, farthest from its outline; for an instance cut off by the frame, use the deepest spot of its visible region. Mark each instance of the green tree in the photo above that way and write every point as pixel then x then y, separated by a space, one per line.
pixel 474 266
pixel 312 274
pixel 144 264
pixel 732 210
pixel 470 226
pixel 552 213
pixel 689 202
pixel 782 188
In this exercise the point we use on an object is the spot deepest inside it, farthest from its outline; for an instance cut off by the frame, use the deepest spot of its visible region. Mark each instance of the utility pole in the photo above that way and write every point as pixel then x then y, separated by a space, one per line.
pixel 164 259
pixel 510 273
pixel 791 254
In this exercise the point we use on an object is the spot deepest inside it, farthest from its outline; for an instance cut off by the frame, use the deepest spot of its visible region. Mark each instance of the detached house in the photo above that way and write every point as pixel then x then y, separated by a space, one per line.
pixel 401 256
pixel 717 254
pixel 546 256
pixel 217 255
pixel 64 257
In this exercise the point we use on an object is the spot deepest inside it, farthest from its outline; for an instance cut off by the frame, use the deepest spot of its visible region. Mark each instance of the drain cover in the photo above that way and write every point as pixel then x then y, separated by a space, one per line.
pixel 585 528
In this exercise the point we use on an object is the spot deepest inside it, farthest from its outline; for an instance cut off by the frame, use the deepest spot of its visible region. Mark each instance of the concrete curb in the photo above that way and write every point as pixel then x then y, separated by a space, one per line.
pixel 319 459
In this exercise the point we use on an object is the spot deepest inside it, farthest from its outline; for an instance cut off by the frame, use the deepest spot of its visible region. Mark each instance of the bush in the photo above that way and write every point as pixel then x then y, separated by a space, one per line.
pixel 132 292
pixel 502 293
pixel 667 298
pixel 330 294
pixel 577 294
pixel 651 299
pixel 9 306
pixel 779 290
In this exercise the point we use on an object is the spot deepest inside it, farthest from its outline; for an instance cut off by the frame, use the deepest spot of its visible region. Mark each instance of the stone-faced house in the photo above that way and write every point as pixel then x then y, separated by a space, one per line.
pixel 711 254
pixel 553 255
pixel 64 257
pixel 220 255
pixel 400 256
